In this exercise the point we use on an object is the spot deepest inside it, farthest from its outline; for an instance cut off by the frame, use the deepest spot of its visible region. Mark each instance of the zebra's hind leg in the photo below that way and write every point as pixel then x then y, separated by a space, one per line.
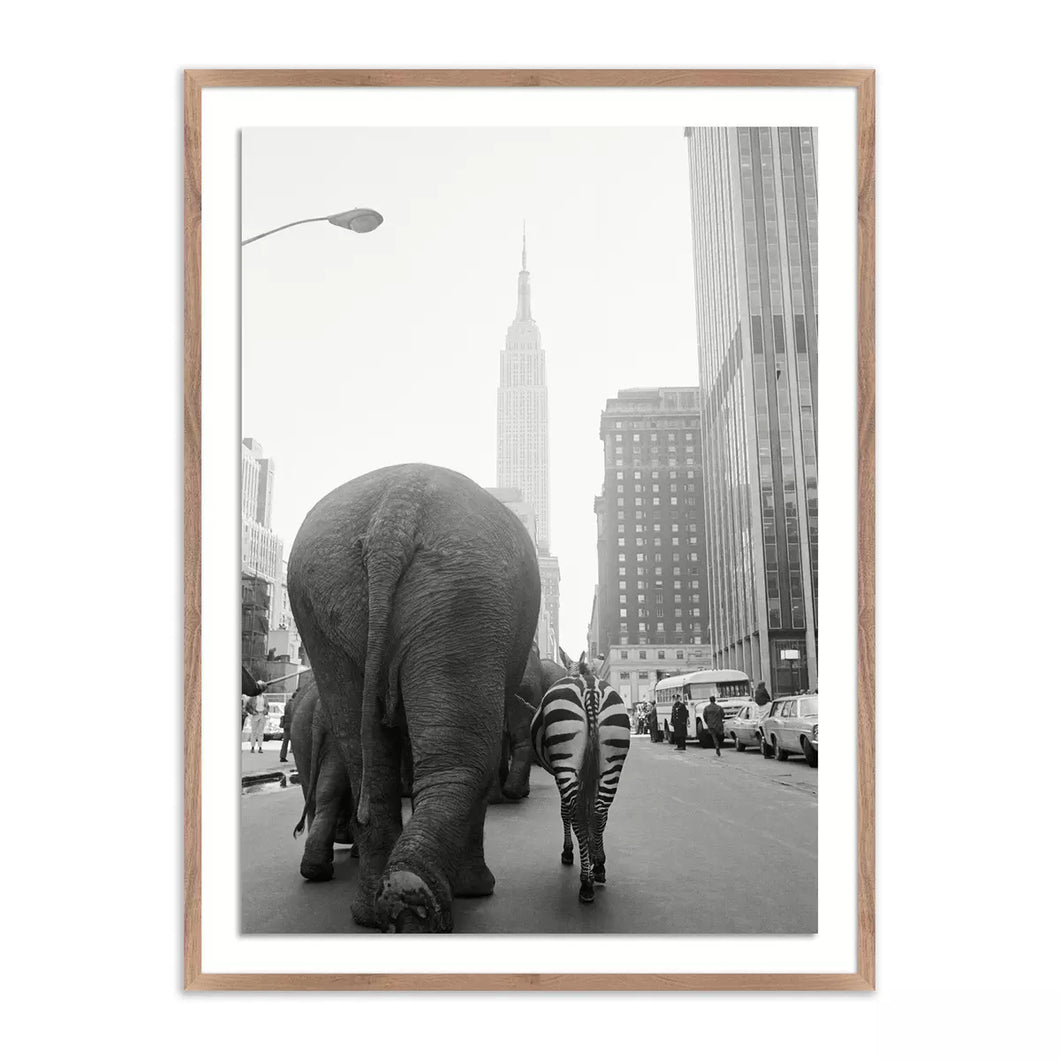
pixel 581 830
pixel 597 841
pixel 567 855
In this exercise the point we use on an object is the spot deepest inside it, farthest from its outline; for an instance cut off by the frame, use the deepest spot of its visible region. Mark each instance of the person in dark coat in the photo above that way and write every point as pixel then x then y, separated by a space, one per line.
pixel 653 723
pixel 715 718
pixel 288 716
pixel 679 723
pixel 762 696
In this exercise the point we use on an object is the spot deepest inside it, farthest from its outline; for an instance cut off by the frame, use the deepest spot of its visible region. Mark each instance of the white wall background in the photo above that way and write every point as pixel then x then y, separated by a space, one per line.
pixel 967 349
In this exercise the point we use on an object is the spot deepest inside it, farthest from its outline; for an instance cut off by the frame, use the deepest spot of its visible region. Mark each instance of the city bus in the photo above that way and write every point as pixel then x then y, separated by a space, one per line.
pixel 730 688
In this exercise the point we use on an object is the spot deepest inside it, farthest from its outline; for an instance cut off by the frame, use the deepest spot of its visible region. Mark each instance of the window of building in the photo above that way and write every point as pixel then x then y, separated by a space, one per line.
pixel 660 627
pixel 662 654
pixel 623 654
pixel 677 612
pixel 688 436
pixel 643 675
pixel 678 627
pixel 621 571
pixel 623 674
pixel 658 542
pixel 693 556
pixel 643 627
pixel 675 541
pixel 621 585
pixel 621 541
pixel 676 556
pixel 640 557
pixel 621 557
pixel 642 654
pixel 621 612
pixel 680 653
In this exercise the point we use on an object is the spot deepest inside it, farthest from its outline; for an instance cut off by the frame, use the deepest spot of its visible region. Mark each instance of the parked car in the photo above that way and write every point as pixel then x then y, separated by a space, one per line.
pixel 743 727
pixel 790 728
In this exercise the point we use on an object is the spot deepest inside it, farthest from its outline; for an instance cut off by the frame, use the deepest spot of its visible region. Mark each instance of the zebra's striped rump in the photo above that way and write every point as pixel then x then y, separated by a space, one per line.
pixel 580 735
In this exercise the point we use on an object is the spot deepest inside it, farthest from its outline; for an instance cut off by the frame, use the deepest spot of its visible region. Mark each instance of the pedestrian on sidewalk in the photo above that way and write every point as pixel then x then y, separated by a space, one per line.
pixel 715 718
pixel 679 723
pixel 288 716
pixel 257 722
pixel 653 723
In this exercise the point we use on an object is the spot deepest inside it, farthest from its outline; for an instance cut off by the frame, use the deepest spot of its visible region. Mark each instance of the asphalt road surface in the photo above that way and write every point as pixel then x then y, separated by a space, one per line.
pixel 695 844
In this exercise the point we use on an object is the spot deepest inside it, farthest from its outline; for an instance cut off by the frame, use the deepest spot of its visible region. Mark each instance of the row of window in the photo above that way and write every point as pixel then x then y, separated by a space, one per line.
pixel 689 487
pixel 660 627
pixel 655 474
pixel 671 436
pixel 643 654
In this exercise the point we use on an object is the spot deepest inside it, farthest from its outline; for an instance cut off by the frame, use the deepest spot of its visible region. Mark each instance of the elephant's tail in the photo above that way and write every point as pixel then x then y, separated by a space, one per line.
pixel 314 773
pixel 589 773
pixel 384 568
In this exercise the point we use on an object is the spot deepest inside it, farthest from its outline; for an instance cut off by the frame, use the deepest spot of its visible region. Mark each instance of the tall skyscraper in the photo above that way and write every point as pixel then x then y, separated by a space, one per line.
pixel 522 411
pixel 649 616
pixel 262 578
pixel 754 231
pixel 522 435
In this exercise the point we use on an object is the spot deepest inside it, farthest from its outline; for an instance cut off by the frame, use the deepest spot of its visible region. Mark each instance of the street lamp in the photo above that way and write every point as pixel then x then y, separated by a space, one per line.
pixel 359 219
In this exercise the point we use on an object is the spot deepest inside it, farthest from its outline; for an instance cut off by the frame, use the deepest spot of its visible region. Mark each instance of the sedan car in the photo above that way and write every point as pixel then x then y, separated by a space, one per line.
pixel 790 728
pixel 743 727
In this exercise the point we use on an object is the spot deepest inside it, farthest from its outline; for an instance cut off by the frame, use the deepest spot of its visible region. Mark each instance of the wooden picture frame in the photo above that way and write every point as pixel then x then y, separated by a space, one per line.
pixel 863 82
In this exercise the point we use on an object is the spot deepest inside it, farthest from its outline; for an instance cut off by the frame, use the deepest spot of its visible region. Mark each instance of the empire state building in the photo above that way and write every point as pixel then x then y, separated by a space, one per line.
pixel 522 437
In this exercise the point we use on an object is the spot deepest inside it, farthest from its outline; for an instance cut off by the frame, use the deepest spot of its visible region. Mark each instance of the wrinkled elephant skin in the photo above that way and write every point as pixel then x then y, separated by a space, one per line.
pixel 538 677
pixel 416 594
pixel 328 807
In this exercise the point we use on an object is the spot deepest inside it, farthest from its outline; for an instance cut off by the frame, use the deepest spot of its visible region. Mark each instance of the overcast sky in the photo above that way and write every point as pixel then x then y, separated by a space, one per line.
pixel 366 350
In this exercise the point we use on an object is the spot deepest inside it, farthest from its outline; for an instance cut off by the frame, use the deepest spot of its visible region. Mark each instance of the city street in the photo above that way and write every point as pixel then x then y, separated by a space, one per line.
pixel 695 844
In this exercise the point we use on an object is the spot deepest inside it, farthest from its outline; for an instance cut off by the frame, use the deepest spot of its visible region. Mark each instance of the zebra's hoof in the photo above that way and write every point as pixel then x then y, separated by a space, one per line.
pixel 567 857
pixel 599 874
pixel 586 893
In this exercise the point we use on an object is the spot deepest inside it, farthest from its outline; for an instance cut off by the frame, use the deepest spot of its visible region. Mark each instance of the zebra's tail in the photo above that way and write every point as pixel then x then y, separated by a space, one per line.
pixel 589 774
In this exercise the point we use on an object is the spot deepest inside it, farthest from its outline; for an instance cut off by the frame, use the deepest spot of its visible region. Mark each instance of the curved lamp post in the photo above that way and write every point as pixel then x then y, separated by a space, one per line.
pixel 359 219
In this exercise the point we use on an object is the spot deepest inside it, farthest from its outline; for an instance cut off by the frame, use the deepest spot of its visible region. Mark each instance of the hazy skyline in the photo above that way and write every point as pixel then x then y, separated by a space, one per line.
pixel 366 350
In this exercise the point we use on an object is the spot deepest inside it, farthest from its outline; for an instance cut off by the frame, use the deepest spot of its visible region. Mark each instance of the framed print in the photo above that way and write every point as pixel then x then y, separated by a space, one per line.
pixel 551 524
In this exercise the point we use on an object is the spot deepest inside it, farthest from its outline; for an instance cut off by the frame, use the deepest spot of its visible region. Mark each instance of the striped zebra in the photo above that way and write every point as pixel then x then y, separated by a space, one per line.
pixel 581 736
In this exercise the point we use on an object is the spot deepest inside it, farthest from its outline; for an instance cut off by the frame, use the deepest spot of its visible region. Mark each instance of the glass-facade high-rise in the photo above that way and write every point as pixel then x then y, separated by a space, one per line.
pixel 754 228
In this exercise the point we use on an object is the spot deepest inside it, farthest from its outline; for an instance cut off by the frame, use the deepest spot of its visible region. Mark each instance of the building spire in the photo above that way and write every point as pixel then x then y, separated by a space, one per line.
pixel 523 312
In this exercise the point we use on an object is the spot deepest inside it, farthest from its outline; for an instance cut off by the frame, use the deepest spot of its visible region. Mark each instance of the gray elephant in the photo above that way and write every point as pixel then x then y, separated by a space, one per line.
pixel 538 677
pixel 328 810
pixel 416 594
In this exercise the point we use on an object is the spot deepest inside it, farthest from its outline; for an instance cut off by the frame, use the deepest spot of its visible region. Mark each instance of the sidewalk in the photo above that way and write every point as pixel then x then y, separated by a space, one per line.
pixel 267 765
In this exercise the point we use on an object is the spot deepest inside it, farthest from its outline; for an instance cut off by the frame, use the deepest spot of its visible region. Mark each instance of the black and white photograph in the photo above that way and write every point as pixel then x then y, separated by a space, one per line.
pixel 529 505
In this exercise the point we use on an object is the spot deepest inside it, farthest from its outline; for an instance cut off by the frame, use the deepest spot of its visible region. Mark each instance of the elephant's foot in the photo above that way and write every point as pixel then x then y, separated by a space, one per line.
pixel 473 881
pixel 585 892
pixel 406 904
pixel 316 869
pixel 567 856
pixel 513 793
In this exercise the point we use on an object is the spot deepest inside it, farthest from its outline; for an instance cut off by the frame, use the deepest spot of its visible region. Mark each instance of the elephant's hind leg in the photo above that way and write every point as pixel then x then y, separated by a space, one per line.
pixel 377 839
pixel 455 747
